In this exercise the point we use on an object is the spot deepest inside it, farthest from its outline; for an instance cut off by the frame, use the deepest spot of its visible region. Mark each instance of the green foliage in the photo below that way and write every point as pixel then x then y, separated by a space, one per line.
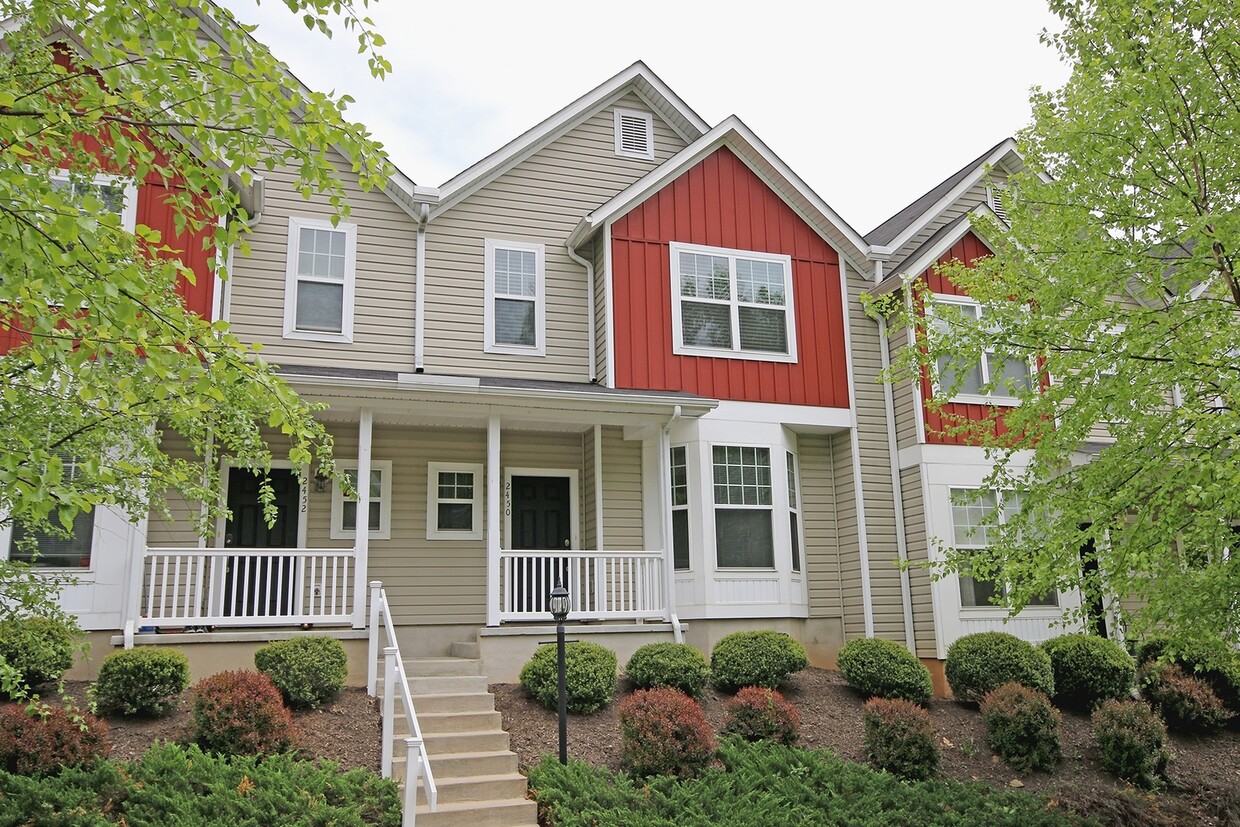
pixel 1211 660
pixel 981 662
pixel 174 785
pixel 1186 703
pixel 676 665
pixel 1131 741
pixel 590 676
pixel 664 732
pixel 39 647
pixel 1121 256
pixel 764 658
pixel 240 713
pixel 760 714
pixel 306 670
pixel 145 681
pixel 1089 669
pixel 768 783
pixel 1023 727
pixel 883 668
pixel 43 740
pixel 899 738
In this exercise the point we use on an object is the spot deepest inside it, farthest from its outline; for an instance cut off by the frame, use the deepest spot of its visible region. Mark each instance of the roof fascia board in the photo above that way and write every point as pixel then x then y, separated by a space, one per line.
pixel 902 274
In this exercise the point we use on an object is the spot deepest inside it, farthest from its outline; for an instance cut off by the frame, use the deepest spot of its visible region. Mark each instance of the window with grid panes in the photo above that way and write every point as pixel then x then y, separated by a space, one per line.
pixel 514 286
pixel 454 501
pixel 970 510
pixel 794 512
pixel 680 509
pixel 319 292
pixel 743 503
pixel 1012 374
pixel 344 506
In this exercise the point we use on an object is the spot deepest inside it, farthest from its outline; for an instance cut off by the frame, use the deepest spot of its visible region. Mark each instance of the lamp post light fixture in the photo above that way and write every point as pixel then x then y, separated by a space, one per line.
pixel 559 604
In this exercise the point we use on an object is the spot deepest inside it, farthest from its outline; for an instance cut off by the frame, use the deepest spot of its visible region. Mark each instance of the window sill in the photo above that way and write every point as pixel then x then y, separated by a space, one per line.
pixel 1027 613
pixel 746 355
pixel 978 399
pixel 515 350
pixel 306 335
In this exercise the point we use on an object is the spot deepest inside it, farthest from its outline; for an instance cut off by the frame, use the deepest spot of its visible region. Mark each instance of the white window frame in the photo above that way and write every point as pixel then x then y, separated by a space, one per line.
pixel 384 531
pixel 433 469
pixel 291 279
pixel 129 212
pixel 681 507
pixel 970 544
pixel 792 470
pixel 770 508
pixel 619 116
pixel 971 398
pixel 735 352
pixel 539 347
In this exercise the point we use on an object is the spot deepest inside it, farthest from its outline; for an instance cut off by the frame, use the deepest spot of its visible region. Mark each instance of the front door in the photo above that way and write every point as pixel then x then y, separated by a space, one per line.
pixel 541 520
pixel 259 586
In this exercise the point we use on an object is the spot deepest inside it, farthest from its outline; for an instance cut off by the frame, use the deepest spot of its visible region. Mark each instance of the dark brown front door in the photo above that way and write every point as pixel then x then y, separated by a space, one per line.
pixel 542 520
pixel 259 586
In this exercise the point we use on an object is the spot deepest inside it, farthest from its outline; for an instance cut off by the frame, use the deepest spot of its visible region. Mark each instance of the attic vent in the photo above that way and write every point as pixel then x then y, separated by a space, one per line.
pixel 998 194
pixel 634 134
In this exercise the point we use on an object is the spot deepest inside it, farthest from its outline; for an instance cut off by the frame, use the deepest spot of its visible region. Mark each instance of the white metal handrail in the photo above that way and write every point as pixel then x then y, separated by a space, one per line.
pixel 417 762
pixel 603 585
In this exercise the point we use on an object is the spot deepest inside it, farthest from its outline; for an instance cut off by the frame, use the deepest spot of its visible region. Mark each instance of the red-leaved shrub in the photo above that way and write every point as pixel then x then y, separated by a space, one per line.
pixel 899 738
pixel 47 741
pixel 757 713
pixel 240 713
pixel 664 733
pixel 1022 726
pixel 1187 703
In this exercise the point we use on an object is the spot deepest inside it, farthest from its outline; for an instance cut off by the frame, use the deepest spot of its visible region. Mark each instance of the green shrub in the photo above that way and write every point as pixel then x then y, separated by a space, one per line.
pixel 1089 669
pixel 1131 741
pixel 766 658
pixel 1215 663
pixel 240 713
pixel 306 670
pixel 1186 703
pixel 883 668
pixel 664 732
pixel 899 738
pixel 1023 727
pixel 45 740
pixel 590 673
pixel 39 648
pixel 675 665
pixel 146 681
pixel 981 662
pixel 760 714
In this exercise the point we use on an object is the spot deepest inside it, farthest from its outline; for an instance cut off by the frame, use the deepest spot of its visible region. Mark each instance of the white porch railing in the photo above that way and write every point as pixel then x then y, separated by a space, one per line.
pixel 417 762
pixel 603 585
pixel 246 587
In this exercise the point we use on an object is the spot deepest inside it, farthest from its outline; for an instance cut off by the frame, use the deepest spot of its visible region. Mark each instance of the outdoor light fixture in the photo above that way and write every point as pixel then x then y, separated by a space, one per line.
pixel 320 480
pixel 559 604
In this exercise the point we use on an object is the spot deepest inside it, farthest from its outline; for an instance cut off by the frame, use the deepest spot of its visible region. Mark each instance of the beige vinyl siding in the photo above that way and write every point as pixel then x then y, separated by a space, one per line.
pixel 918 555
pixel 819 529
pixel 602 359
pixel 384 287
pixel 622 492
pixel 971 198
pixel 846 527
pixel 904 396
pixel 589 492
pixel 177 532
pixel 540 200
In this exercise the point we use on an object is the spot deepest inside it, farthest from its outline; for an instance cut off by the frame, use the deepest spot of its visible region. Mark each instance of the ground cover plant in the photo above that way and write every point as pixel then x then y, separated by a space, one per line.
pixel 589 671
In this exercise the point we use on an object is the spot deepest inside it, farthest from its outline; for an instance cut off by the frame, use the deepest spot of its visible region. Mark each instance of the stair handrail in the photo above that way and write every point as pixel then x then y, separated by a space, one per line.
pixel 417 762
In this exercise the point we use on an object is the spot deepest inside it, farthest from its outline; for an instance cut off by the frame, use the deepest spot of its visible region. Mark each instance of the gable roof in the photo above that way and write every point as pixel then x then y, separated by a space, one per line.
pixel 636 78
pixel 734 134
pixel 933 248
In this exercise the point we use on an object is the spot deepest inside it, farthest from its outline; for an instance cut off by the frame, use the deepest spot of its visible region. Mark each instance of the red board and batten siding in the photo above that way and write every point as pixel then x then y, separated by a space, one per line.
pixel 720 202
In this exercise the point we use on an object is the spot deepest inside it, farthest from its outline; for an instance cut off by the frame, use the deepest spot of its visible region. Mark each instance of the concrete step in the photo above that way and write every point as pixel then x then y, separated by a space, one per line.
pixel 512 812
pixel 436 722
pixel 476 788
pixel 447 685
pixel 451 743
pixel 465 650
pixel 463 764
pixel 453 702
pixel 430 667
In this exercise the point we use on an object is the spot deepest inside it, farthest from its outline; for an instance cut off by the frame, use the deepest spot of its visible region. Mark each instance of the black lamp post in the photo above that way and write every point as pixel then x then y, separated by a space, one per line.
pixel 559 605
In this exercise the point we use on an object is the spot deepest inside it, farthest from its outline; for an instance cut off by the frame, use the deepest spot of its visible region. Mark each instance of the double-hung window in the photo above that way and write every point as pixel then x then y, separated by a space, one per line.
pixel 319 285
pixel 975 514
pixel 680 509
pixel 515 297
pixel 344 507
pixel 453 501
pixel 744 536
pixel 732 303
pixel 1009 373
pixel 56 547
pixel 794 512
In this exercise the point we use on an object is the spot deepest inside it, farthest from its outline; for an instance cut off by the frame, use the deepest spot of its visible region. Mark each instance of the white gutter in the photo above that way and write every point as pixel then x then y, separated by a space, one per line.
pixel 419 289
pixel 592 367
pixel 665 492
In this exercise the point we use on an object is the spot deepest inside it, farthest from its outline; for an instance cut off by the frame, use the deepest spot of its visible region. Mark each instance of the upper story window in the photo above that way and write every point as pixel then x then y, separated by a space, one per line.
pixel 318 291
pixel 344 507
pixel 1011 374
pixel 971 510
pixel 732 303
pixel 117 196
pixel 515 297
pixel 744 536
pixel 634 134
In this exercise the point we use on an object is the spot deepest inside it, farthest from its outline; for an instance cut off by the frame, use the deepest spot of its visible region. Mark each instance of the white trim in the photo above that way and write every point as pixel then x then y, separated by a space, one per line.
pixel 384 531
pixel 433 469
pixel 734 303
pixel 539 348
pixel 291 278
pixel 129 194
pixel 619 116
pixel 863 541
pixel 493 519
pixel 361 543
pixel 609 309
pixel 574 536
pixel 599 542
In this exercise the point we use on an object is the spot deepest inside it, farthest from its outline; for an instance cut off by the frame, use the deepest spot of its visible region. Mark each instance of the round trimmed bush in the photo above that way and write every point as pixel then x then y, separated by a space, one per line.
pixel 38 647
pixel 1089 669
pixel 899 738
pixel 1131 741
pixel 306 670
pixel 765 658
pixel 49 739
pixel 675 665
pixel 240 713
pixel 664 732
pixel 146 681
pixel 982 662
pixel 885 669
pixel 1186 703
pixel 1023 727
pixel 760 714
pixel 590 675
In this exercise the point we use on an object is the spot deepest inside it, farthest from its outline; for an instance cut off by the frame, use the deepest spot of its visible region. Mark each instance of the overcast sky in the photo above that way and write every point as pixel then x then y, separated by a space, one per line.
pixel 871 103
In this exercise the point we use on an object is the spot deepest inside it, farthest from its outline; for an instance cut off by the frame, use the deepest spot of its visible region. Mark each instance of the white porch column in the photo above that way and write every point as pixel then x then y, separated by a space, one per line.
pixel 665 523
pixel 361 533
pixel 598 488
pixel 493 515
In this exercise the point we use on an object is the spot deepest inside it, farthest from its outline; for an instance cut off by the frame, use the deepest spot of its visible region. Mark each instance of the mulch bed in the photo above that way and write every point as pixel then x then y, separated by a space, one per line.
pixel 1205 775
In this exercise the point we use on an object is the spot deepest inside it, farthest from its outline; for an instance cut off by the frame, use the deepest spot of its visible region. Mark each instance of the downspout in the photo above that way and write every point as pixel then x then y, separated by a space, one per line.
pixel 592 368
pixel 419 290
pixel 665 485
